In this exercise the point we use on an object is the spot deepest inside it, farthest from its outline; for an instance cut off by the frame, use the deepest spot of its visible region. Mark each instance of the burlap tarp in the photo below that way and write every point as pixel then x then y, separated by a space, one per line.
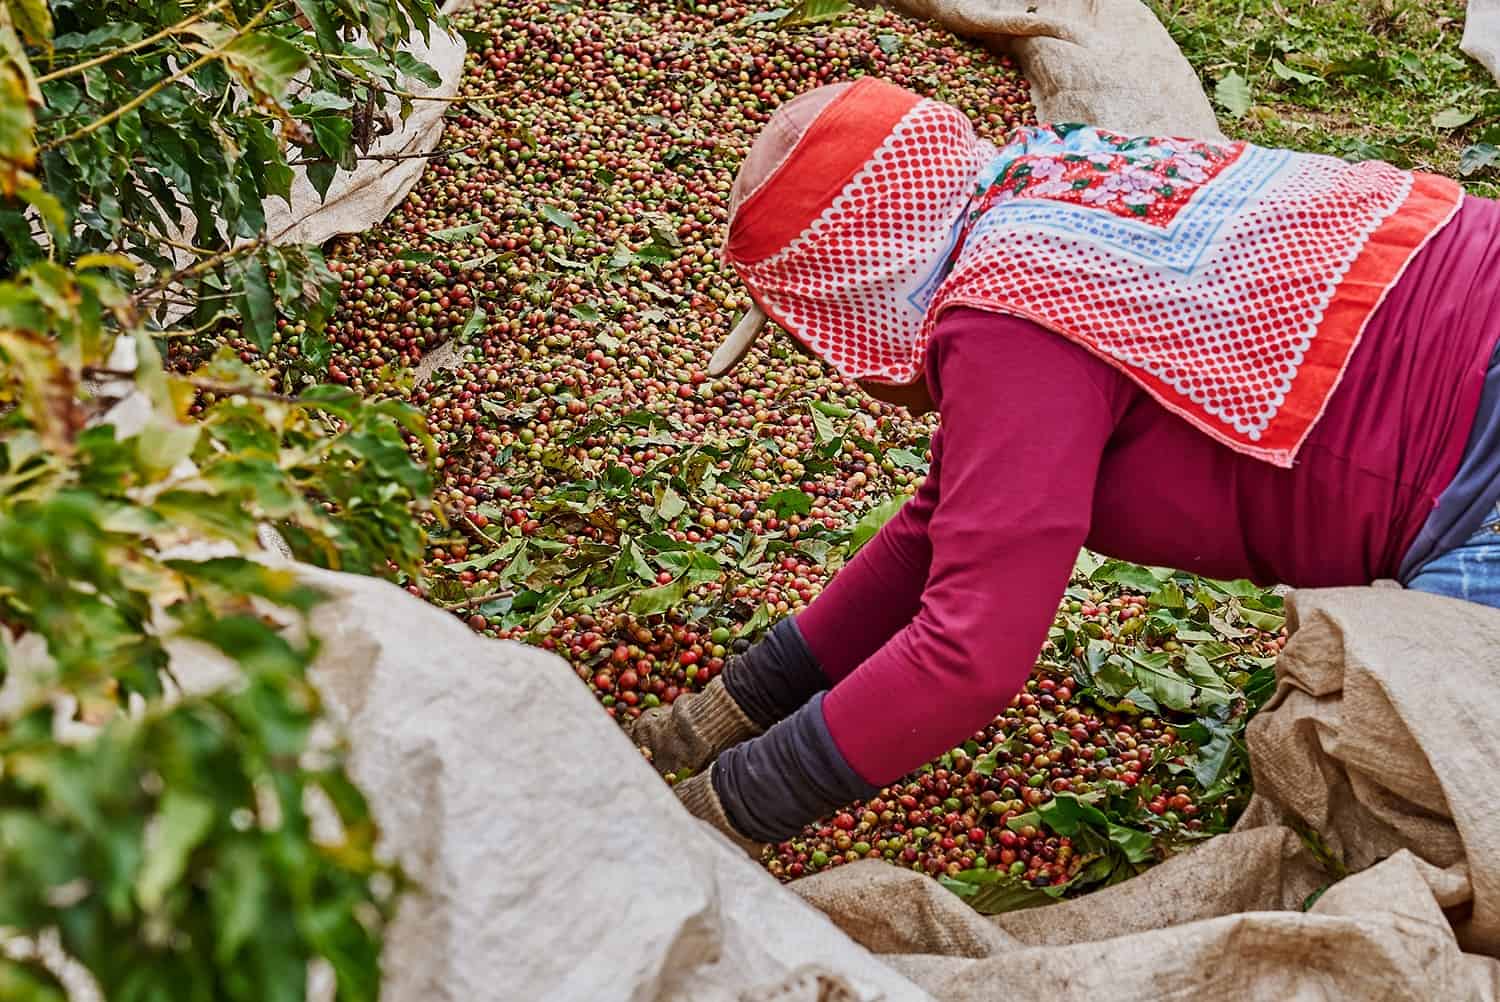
pixel 1481 40
pixel 537 834
pixel 551 863
pixel 1108 63
pixel 1382 736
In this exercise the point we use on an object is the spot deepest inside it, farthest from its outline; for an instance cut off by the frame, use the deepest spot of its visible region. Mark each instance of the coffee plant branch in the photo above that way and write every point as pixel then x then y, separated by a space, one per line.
pixel 125 50
pixel 210 56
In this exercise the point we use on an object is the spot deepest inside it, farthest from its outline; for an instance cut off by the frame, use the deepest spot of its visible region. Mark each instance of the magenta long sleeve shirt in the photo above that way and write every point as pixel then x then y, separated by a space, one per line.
pixel 935 625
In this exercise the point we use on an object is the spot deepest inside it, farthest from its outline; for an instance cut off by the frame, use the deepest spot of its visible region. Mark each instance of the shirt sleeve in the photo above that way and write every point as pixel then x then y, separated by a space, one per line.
pixel 1026 417
pixel 879 591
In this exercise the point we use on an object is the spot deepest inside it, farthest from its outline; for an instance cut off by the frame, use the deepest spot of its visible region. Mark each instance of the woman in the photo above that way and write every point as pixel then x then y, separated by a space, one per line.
pixel 1237 361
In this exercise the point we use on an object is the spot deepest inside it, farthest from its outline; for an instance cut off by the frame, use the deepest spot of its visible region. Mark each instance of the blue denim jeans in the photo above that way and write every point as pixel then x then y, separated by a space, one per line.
pixel 1470 571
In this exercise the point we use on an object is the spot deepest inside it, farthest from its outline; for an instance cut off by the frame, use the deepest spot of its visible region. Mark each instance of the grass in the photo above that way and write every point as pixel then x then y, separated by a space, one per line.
pixel 1362 79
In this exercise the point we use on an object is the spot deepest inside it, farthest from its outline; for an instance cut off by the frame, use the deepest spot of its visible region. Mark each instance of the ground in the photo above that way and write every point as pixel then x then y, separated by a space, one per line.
pixel 1365 79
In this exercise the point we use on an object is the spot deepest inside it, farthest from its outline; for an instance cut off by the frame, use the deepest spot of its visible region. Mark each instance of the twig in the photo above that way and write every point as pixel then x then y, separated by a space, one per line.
pixel 156 88
pixel 477 600
pixel 205 385
pixel 466 523
pixel 385 156
pixel 89 64
pixel 198 251
pixel 207 263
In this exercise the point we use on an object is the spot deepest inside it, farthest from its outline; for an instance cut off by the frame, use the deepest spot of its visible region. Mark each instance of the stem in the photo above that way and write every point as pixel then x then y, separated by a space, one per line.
pixel 477 600
pixel 207 386
pixel 386 156
pixel 202 266
pixel 89 64
pixel 157 87
pixel 196 251
pixel 473 531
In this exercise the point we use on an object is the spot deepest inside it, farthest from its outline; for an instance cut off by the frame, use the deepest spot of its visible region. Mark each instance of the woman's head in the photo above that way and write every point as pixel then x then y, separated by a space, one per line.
pixel 841 220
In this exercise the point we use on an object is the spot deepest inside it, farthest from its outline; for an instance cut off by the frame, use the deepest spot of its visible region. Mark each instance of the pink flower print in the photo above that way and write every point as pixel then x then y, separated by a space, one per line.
pixel 1131 185
pixel 1190 167
pixel 1050 175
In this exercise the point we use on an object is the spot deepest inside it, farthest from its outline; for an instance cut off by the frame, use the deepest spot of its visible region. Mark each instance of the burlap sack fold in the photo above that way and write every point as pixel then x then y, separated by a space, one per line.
pixel 553 863
pixel 538 835
pixel 1108 63
pixel 1481 41
pixel 1383 735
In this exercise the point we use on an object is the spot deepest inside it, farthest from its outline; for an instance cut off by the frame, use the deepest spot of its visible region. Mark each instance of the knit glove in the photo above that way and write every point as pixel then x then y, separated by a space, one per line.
pixel 692 730
pixel 769 682
pixel 698 796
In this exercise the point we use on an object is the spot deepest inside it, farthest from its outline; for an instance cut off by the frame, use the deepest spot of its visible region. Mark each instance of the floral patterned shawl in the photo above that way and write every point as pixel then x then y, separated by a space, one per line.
pixel 1232 282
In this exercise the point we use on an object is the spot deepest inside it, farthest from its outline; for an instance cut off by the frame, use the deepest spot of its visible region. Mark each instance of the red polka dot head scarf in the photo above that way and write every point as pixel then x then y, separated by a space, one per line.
pixel 1230 281
pixel 842 219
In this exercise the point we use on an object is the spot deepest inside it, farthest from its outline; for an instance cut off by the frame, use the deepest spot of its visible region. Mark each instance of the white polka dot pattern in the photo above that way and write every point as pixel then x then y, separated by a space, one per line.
pixel 855 285
pixel 1227 332
pixel 1231 283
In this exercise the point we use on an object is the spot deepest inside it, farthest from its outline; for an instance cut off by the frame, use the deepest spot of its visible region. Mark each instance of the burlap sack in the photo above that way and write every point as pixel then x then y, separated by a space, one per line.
pixel 1382 734
pixel 1108 63
pixel 552 862
pixel 536 834
pixel 1481 41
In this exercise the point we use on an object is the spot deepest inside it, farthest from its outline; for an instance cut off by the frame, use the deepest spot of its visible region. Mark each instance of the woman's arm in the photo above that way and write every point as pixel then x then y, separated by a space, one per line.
pixel 1026 418
pixel 878 592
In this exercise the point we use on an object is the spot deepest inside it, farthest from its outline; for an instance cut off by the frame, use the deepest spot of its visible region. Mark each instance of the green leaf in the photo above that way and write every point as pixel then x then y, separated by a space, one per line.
pixel 1291 75
pixel 589 314
pixel 1213 756
pixel 1232 92
pixel 558 217
pixel 789 501
pixel 454 234
pixel 182 822
pixel 1011 895
pixel 823 425
pixel 240 895
pixel 473 325
pixel 257 307
pixel 1168 596
pixel 416 69
pixel 654 601
pixel 671 504
pixel 1453 118
pixel 906 459
pixel 266 62
pixel 765 16
pixel 335 136
pixel 638 563
pixel 871 521
pixel 1156 679
pixel 757 622
pixel 1136 844
pixel 33 20
pixel 889 44
pixel 324 29
pixel 1132 576
pixel 321 175
pixel 1478 157
pixel 809 12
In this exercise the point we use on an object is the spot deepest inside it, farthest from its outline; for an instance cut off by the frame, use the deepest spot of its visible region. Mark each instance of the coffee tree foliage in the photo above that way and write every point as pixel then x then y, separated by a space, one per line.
pixel 167 840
